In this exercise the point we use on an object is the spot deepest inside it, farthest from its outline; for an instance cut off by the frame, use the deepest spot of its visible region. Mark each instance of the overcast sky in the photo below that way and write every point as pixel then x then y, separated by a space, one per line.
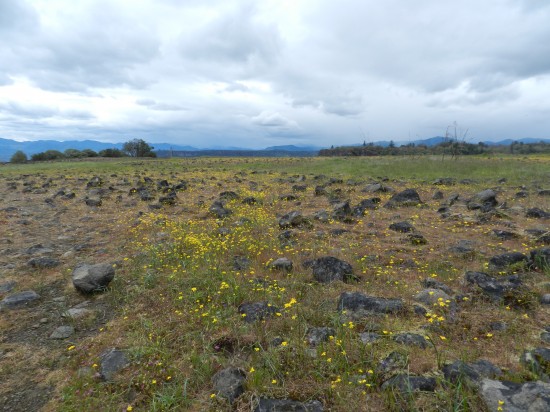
pixel 272 72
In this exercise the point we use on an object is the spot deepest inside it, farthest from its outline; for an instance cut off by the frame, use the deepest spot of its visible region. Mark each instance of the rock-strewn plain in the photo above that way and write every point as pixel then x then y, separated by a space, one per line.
pixel 236 284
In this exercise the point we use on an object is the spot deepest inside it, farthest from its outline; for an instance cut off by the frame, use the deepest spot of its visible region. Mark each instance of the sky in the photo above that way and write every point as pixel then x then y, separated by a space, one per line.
pixel 253 74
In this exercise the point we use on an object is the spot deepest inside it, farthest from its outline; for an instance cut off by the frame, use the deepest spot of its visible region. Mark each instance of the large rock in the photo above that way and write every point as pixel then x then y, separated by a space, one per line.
pixel 93 278
pixel 402 227
pixel 504 260
pixel 516 397
pixel 342 212
pixel 408 197
pixel 283 264
pixel 218 210
pixel 495 288
pixel 484 200
pixel 19 299
pixel 330 269
pixel 537 213
pixel 472 372
pixel 288 405
pixel 411 339
pixel 292 219
pixel 254 311
pixel 355 301
pixel 431 296
pixel 229 383
pixel 111 361
pixel 407 383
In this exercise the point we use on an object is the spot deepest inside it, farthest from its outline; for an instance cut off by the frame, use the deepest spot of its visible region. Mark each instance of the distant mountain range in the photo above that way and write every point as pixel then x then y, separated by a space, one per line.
pixel 8 147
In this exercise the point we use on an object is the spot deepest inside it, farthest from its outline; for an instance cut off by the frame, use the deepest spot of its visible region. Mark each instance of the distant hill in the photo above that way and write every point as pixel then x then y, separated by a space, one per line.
pixel 292 148
pixel 434 141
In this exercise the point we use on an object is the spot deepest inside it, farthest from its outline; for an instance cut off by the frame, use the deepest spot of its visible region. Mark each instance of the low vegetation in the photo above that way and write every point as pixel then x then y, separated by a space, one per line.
pixel 224 297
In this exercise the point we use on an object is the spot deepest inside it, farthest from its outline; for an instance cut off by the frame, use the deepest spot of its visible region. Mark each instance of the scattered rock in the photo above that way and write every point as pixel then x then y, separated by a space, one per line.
pixel 7 286
pixel 219 211
pixel 393 362
pixel 369 337
pixel 314 336
pixel 516 397
pixel 43 263
pixel 537 213
pixel 292 219
pixel 94 202
pixel 356 301
pixel 431 296
pixel 506 259
pixel 408 197
pixel 538 361
pixel 229 383
pixel 251 312
pixel 407 383
pixel 62 332
pixel 411 339
pixel 283 264
pixel 435 284
pixel 112 361
pixel 473 372
pixel 342 212
pixel 19 299
pixel 402 227
pixel 92 278
pixel 504 234
pixel 330 269
pixel 484 200
pixel 241 263
pixel 463 247
pixel 493 287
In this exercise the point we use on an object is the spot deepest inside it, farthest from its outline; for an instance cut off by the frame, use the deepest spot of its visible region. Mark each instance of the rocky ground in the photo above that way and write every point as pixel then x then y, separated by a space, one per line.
pixel 492 237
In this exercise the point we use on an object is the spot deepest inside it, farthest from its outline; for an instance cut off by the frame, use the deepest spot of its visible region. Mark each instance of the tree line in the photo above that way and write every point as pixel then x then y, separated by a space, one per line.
pixel 451 148
pixel 131 148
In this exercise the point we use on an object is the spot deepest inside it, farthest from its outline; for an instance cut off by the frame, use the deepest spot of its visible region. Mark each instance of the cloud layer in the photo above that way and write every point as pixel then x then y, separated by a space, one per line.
pixel 255 74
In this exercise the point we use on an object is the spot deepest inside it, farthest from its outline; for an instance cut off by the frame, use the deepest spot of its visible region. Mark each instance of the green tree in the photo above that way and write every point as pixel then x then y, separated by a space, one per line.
pixel 111 153
pixel 89 153
pixel 19 157
pixel 138 148
pixel 73 153
pixel 48 155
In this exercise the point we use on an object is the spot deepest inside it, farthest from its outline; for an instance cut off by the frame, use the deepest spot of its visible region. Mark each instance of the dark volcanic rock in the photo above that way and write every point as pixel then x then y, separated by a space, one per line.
pixel 93 202
pixel 43 263
pixel 408 197
pixel 402 227
pixel 288 405
pixel 252 312
pixel 504 234
pixel 506 259
pixel 516 397
pixel 112 361
pixel 229 383
pixel 411 339
pixel 92 278
pixel 315 336
pixel 407 383
pixel 330 269
pixel 484 200
pixel 495 288
pixel 292 219
pixel 356 301
pixel 218 210
pixel 342 212
pixel 537 213
pixel 19 299
pixel 473 372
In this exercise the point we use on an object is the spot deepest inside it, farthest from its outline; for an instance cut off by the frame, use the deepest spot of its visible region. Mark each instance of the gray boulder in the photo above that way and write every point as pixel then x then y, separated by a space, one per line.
pixel 407 383
pixel 408 197
pixel 516 397
pixel 355 301
pixel 92 278
pixel 19 299
pixel 329 269
pixel 229 383
pixel 111 362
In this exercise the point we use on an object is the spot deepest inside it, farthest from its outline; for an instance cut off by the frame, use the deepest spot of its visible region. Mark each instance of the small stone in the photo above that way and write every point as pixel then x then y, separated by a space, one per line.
pixel 431 296
pixel 408 383
pixel 43 263
pixel 252 312
pixel 62 332
pixel 283 264
pixel 229 383
pixel 112 361
pixel 411 339
pixel 314 336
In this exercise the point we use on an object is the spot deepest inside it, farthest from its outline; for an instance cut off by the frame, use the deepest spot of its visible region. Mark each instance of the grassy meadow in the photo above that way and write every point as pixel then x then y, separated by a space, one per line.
pixel 181 274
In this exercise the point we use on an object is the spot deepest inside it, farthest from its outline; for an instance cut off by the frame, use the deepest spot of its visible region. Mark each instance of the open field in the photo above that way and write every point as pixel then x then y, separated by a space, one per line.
pixel 221 292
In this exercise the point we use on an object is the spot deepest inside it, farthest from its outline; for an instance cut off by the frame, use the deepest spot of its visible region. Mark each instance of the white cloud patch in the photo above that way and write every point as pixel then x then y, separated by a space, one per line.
pixel 248 73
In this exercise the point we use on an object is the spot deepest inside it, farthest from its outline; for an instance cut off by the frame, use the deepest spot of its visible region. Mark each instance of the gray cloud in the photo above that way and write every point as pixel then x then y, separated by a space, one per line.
pixel 248 73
